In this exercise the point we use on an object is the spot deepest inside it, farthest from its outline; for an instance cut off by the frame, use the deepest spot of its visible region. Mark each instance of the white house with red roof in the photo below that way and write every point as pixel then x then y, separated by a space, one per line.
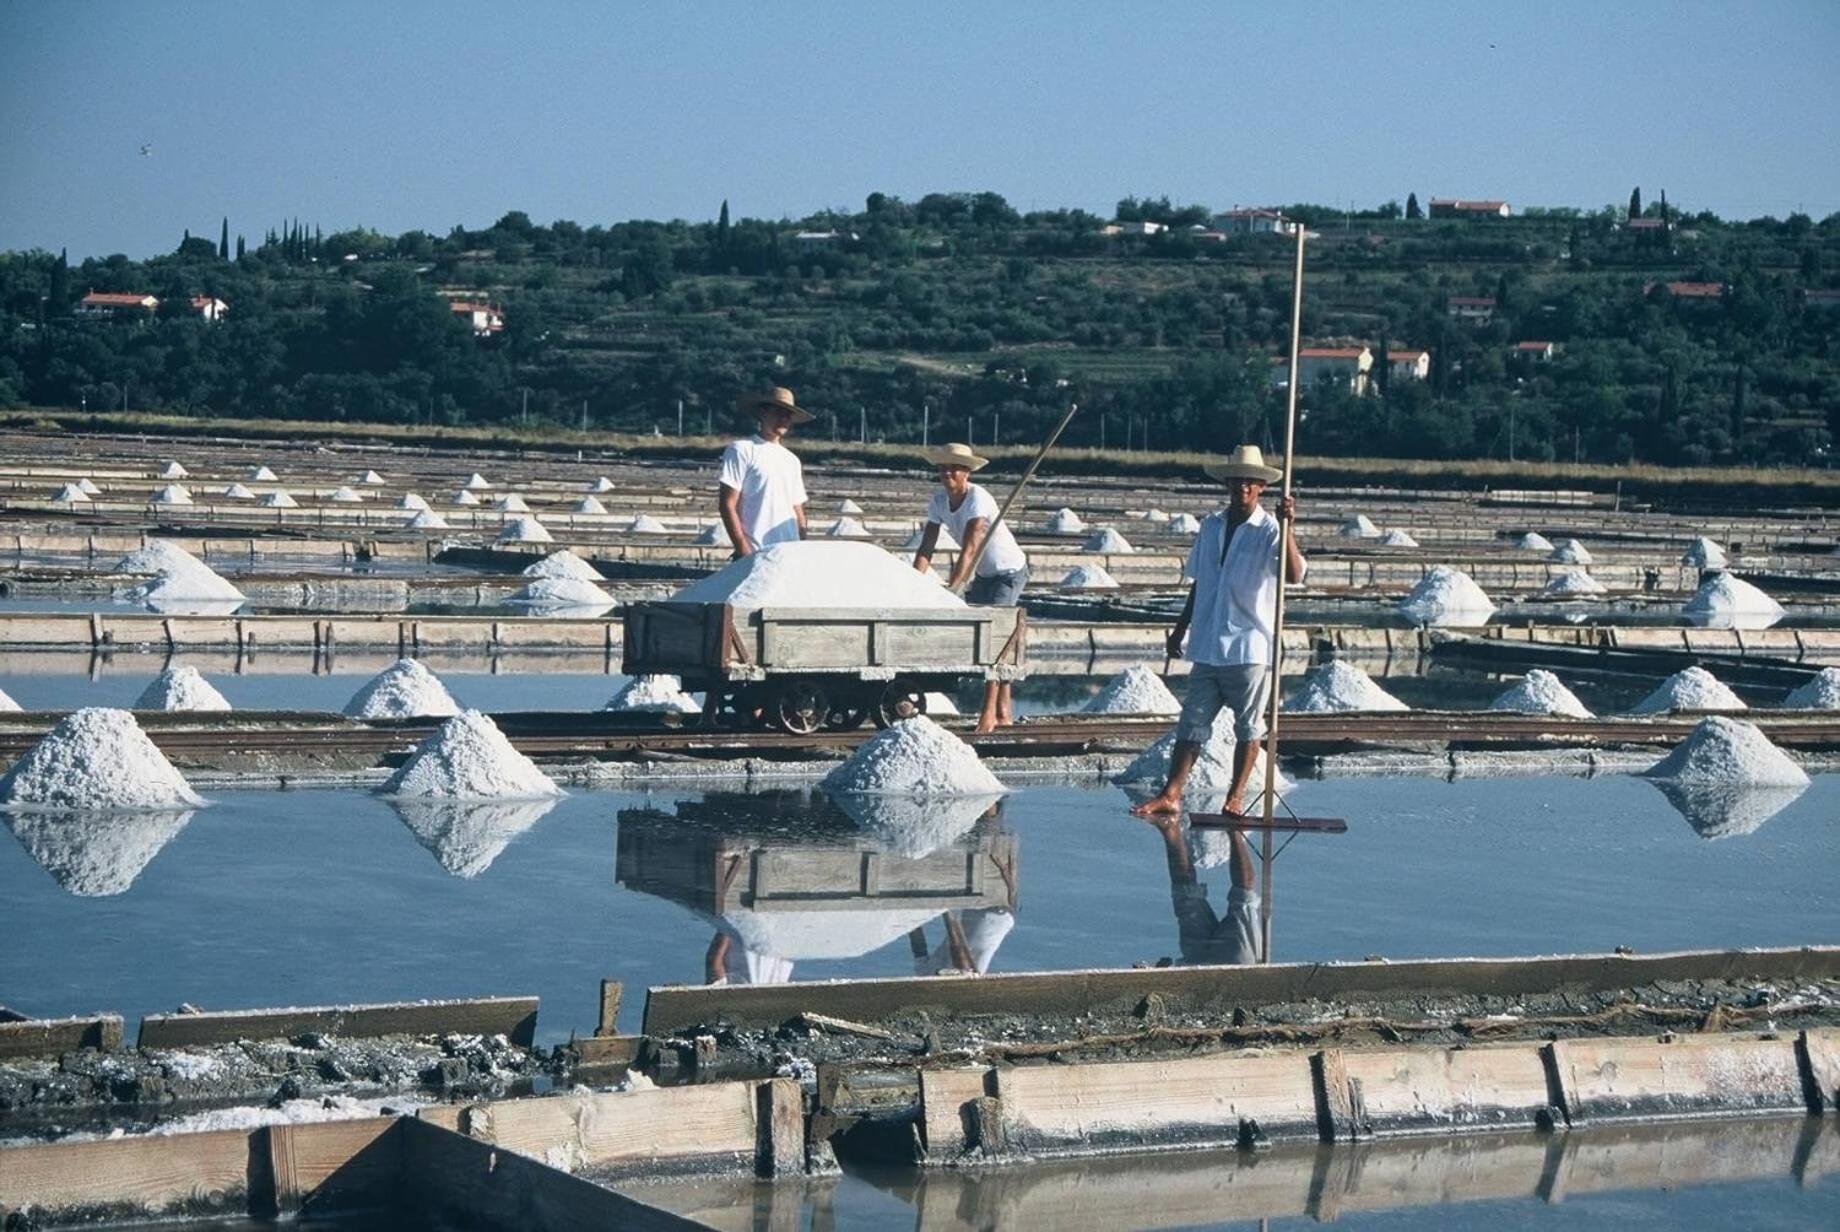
pixel 1474 309
pixel 1408 365
pixel 117 303
pixel 1463 207
pixel 1348 364
pixel 209 307
pixel 1251 220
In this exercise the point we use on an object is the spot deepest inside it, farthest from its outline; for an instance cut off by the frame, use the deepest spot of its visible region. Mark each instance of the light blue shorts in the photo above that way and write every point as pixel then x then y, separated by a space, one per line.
pixel 1239 687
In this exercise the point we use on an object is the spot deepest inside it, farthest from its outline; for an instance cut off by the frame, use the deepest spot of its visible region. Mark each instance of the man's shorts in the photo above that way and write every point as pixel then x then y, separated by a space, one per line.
pixel 1239 687
pixel 1229 939
pixel 997 590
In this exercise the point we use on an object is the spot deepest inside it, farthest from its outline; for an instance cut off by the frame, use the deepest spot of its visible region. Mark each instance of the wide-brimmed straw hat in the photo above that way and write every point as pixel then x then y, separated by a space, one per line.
pixel 779 398
pixel 1246 462
pixel 955 454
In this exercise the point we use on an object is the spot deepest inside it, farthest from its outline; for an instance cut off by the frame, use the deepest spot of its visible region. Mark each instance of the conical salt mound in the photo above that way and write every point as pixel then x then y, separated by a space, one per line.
pixel 172 494
pixel 1157 516
pixel 1729 752
pixel 89 486
pixel 1360 526
pixel 1185 523
pixel 564 563
pixel 588 504
pixel 466 836
pixel 178 578
pixel 847 528
pixel 714 535
pixel 1821 693
pixel 371 478
pixel 96 854
pixel 478 482
pixel 645 524
pixel 562 592
pixel 1540 692
pixel 347 495
pixel 1534 541
pixel 464 497
pixel 602 485
pixel 1572 582
pixel 525 530
pixel 511 502
pixel 7 703
pixel 468 758
pixel 944 543
pixel 403 690
pixel 1397 538
pixel 427 519
pixel 1693 688
pixel 174 471
pixel 1337 685
pixel 1447 596
pixel 1065 522
pixel 181 688
pixel 1213 772
pixel 1572 552
pixel 914 757
pixel 99 759
pixel 1088 577
pixel 1105 539
pixel 849 507
pixel 819 573
pixel 1135 690
pixel 1705 554
pixel 261 474
pixel 660 694
pixel 410 500
pixel 71 494
pixel 237 491
pixel 279 499
pixel 1724 595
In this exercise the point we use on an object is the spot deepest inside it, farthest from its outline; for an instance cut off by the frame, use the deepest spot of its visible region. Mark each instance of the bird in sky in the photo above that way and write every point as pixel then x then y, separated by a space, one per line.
pixel 147 151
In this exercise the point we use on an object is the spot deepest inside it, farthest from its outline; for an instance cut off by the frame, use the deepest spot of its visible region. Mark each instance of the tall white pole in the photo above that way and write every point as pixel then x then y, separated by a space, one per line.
pixel 926 423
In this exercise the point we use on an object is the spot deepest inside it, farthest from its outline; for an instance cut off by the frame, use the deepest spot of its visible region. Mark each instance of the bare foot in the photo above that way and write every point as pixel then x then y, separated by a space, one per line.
pixel 1235 807
pixel 986 723
pixel 1159 806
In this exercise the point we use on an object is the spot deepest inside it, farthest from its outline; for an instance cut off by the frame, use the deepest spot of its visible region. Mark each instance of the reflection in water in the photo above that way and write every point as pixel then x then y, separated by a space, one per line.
pixel 1732 620
pixel 912 827
pixel 96 854
pixel 787 876
pixel 1719 810
pixel 191 607
pixel 467 835
pixel 1233 936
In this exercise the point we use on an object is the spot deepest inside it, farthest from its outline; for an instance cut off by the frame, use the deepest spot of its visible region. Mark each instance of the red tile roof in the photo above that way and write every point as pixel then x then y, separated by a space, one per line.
pixel 1472 301
pixel 1532 346
pixel 116 299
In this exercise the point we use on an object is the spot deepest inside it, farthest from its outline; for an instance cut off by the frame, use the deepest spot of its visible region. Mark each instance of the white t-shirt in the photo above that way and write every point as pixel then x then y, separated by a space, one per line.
pixel 772 487
pixel 1003 555
pixel 1234 600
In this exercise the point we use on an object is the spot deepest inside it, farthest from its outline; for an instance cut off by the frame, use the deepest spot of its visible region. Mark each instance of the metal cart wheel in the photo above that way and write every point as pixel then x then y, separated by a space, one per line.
pixel 847 717
pixel 902 699
pixel 800 707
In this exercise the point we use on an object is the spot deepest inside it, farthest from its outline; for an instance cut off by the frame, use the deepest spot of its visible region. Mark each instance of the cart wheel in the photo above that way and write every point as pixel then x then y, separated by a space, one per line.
pixel 846 718
pixel 902 699
pixel 800 708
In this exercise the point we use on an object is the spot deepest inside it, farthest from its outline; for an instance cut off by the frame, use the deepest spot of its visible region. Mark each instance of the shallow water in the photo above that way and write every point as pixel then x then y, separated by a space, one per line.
pixel 309 897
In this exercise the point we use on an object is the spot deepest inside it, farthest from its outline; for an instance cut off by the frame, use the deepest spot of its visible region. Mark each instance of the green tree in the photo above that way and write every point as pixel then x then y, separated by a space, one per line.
pixel 1635 202
pixel 1413 213
pixel 223 241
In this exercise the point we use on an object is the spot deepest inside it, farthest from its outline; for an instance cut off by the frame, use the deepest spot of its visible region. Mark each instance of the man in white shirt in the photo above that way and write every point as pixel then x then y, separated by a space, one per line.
pixel 1229 615
pixel 762 497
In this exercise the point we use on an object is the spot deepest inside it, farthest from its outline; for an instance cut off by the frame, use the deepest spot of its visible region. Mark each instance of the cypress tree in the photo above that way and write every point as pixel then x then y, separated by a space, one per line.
pixel 239 249
pixel 223 241
pixel 1635 202
pixel 1413 213
pixel 60 281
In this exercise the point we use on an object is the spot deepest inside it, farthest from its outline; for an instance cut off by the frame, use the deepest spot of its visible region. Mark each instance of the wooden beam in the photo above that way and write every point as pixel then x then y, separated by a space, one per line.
pixel 780 1129
pixel 512 1017
pixel 1697 1075
pixel 612 992
pixel 329 1165
pixel 48 1037
pixel 194 1173
pixel 582 1129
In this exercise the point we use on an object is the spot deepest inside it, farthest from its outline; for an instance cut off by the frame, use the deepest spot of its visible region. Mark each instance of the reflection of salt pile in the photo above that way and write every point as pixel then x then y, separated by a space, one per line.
pixel 1135 690
pixel 1705 553
pixel 525 530
pixel 1337 685
pixel 177 577
pixel 943 543
pixel 563 563
pixel 403 690
pixel 849 507
pixel 96 758
pixel 1360 526
pixel 1540 692
pixel 1065 521
pixel 511 502
pixel 645 524
pixel 1185 523
pixel 467 835
pixel 174 471
pixel 1105 539
pixel 1534 541
pixel 847 528
pixel 468 758
pixel 7 703
pixel 347 496
pixel 915 757
pixel 410 500
pixel 1727 601
pixel 1447 596
pixel 1213 770
pixel 279 499
pixel 1821 693
pixel 819 573
pixel 464 497
pixel 96 854
pixel 562 592
pixel 659 694
pixel 588 504
pixel 1088 577
pixel 1693 688
pixel 1725 811
pixel 427 519
pixel 181 688
pixel 1572 582
pixel 1729 752
pixel 172 494
pixel 913 827
pixel 1572 552
pixel 71 494
pixel 714 535
pixel 1397 538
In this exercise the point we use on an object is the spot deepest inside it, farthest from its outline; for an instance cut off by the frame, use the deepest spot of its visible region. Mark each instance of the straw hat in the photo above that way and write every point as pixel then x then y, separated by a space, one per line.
pixel 779 398
pixel 1246 462
pixel 956 454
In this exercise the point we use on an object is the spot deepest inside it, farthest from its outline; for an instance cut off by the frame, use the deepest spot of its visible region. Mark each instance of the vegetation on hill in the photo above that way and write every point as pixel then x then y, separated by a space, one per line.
pixel 959 313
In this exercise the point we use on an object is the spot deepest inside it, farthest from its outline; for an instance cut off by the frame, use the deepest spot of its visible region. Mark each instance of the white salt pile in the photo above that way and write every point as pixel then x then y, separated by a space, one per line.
pixel 280 499
pixel 819 573
pixel 347 495
pixel 1721 594
pixel 1534 541
pixel 1213 770
pixel 1065 521
pixel 645 524
pixel 1572 582
pixel 71 494
pixel 261 474
pixel 1694 688
pixel 89 485
pixel 1397 538
pixel 7 703
pixel 96 854
pixel 562 592
pixel 1821 693
pixel 410 500
pixel 157 557
pixel 939 703
pixel 1572 552
pixel 372 478
pixel 1360 526
pixel 914 757
pixel 176 577
pixel 427 519
pixel 181 688
pixel 1337 685
pixel 174 471
pixel 477 482
pixel 464 497
pixel 1088 577
pixel 1729 752
pixel 1135 690
pixel 1705 553
pixel 588 504
pixel 848 507
pixel 525 530
pixel 714 535
pixel 403 690
pixel 944 543
pixel 466 836
pixel 237 491
pixel 563 563
pixel 660 694
pixel 1185 523
pixel 96 758
pixel 468 758
pixel 1447 596
pixel 1105 539
pixel 602 485
pixel 1540 692
pixel 172 494
pixel 847 528
pixel 511 502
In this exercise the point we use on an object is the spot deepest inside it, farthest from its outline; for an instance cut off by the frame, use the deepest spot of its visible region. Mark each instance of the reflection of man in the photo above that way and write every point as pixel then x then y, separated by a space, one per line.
pixel 968 944
pixel 730 961
pixel 1206 939
pixel 762 485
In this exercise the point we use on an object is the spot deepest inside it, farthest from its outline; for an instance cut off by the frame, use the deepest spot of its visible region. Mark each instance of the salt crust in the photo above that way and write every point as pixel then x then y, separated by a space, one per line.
pixel 563 563
pixel 1540 692
pixel 1065 521
pixel 1105 539
pixel 1729 752
pixel 1337 686
pixel 1534 541
pixel 562 592
pixel 848 506
pixel 1088 577
pixel 1821 693
pixel 347 496
pixel 7 703
pixel 1572 552
pixel 237 491
pixel 1135 690
pixel 1397 538
pixel 409 500
pixel 1185 523
pixel 172 494
pixel 181 687
pixel 71 494
pixel 1360 526
pixel 96 854
pixel 427 519
pixel 819 573
pixel 589 504
pixel 915 757
pixel 96 758
pixel 1705 553
pixel 714 535
pixel 468 758
pixel 1692 688
pixel 174 471
pixel 1572 582
pixel 511 502
pixel 279 499
pixel 1723 594
pixel 659 694
pixel 1213 772
pixel 403 690
pixel 466 836
pixel 525 530
pixel 847 528
pixel 1447 596
pixel 464 497
pixel 645 524
pixel 261 474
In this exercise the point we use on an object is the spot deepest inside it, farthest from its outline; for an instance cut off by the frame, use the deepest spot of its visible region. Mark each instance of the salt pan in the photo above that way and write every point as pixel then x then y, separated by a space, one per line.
pixel 466 836
pixel 172 494
pixel 1534 541
pixel 645 524
pixel 562 592
pixel 1397 538
pixel 659 694
pixel 464 497
pixel 1540 692
pixel 71 494
pixel 96 758
pixel 403 690
pixel 468 758
pixel 819 573
pixel 1693 688
pixel 1572 552
pixel 347 496
pixel 525 530
pixel 1135 690
pixel 1105 539
pixel 1729 752
pixel 1821 693
pixel 1572 582
pixel 1704 553
pixel 565 564
pixel 181 688
pixel 1360 526
pixel 1065 521
pixel 847 528
pixel 1338 686
pixel 1447 596
pixel 511 502
pixel 914 757
pixel 1088 577
pixel 588 504
pixel 427 519
pixel 280 499
pixel 410 500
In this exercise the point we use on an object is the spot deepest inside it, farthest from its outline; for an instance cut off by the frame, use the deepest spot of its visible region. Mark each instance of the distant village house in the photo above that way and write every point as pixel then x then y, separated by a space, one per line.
pixel 1701 292
pixel 209 307
pixel 1254 221
pixel 1474 309
pixel 1144 227
pixel 117 303
pixel 1408 365
pixel 1815 297
pixel 1533 352
pixel 1350 365
pixel 1459 207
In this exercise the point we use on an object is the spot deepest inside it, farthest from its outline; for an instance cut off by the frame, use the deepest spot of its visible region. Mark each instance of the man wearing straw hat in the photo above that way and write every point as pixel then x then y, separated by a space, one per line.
pixel 1228 620
pixel 970 513
pixel 762 485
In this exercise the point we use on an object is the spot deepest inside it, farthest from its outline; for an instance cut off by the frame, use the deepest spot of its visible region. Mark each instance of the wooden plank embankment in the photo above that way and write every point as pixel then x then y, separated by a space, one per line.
pixel 47 1037
pixel 513 1017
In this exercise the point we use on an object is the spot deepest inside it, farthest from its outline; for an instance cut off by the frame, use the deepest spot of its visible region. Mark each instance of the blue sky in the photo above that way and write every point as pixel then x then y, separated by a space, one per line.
pixel 424 114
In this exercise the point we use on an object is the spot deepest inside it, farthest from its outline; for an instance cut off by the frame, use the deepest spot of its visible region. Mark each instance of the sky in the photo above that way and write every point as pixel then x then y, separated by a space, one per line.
pixel 125 122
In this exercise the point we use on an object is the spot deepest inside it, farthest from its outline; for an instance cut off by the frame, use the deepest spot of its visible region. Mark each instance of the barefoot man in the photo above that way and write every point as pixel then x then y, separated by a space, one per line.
pixel 762 485
pixel 1228 619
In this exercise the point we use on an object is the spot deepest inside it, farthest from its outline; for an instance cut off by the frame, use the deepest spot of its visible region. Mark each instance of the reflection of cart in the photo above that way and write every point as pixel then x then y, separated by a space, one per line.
pixel 801 669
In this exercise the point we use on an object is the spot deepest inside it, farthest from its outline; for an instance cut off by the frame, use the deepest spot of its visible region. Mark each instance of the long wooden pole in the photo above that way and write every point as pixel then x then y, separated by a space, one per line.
pixel 1072 408
pixel 1277 637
